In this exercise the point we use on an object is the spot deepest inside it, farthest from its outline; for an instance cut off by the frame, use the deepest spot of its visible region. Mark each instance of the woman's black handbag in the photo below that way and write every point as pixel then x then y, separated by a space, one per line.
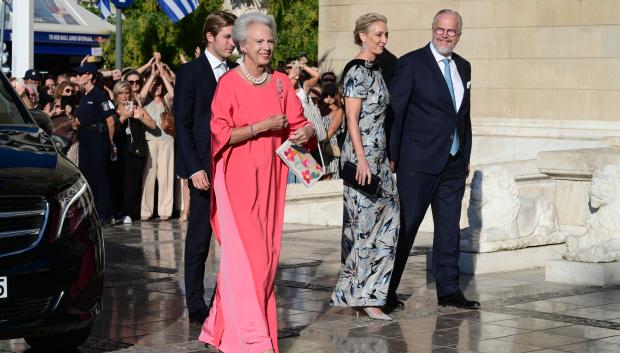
pixel 348 175
pixel 137 139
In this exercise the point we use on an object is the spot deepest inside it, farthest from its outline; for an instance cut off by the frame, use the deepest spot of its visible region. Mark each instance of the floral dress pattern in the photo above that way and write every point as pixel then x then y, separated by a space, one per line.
pixel 370 224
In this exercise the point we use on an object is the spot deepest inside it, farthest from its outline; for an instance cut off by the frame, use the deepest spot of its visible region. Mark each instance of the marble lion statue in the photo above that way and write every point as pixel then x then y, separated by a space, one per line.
pixel 601 241
pixel 500 219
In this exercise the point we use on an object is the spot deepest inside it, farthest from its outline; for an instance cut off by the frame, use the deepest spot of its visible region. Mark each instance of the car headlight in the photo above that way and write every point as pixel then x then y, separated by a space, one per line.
pixel 76 205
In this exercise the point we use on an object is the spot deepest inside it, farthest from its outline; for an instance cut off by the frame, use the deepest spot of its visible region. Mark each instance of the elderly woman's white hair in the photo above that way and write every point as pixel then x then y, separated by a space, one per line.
pixel 240 29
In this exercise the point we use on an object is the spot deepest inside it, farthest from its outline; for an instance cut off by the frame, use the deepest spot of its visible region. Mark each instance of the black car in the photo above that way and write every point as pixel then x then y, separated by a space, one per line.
pixel 51 246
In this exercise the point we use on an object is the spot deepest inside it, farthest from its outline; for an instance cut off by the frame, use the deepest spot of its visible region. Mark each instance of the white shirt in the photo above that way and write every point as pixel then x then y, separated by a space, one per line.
pixel 457 83
pixel 219 66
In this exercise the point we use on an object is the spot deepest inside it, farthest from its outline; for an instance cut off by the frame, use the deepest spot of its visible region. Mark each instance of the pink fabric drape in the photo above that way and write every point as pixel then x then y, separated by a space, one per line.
pixel 247 212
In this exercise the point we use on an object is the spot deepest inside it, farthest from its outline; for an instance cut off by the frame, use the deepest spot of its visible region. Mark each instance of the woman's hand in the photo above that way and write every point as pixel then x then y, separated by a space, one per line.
pixel 138 113
pixel 363 174
pixel 75 123
pixel 275 123
pixel 154 70
pixel 393 166
pixel 301 136
pixel 124 112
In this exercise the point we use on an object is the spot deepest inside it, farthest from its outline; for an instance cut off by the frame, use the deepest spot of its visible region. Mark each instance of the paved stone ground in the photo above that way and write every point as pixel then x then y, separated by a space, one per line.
pixel 144 307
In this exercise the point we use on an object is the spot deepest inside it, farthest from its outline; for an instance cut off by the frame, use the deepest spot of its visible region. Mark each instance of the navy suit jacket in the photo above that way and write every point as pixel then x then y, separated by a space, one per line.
pixel 193 92
pixel 422 114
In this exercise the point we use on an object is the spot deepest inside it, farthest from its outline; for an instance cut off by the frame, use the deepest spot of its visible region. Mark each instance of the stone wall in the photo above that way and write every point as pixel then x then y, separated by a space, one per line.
pixel 555 62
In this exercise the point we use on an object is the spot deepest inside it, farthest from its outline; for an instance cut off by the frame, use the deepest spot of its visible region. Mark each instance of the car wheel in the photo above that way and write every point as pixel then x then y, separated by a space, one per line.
pixel 70 339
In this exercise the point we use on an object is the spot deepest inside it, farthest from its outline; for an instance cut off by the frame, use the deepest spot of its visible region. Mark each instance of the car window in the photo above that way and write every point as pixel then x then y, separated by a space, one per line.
pixel 10 114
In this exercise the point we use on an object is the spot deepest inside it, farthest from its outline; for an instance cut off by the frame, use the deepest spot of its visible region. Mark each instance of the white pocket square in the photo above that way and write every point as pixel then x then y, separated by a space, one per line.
pixel 468 84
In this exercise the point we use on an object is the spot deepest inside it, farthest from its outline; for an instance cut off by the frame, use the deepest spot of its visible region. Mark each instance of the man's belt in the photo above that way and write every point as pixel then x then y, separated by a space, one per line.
pixel 99 127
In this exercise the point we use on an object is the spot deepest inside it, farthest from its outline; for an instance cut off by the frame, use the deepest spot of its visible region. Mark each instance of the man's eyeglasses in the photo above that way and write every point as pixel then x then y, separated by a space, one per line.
pixel 134 82
pixel 451 32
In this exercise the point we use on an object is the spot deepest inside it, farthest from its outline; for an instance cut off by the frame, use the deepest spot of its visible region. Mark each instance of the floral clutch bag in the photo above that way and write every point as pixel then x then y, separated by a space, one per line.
pixel 301 162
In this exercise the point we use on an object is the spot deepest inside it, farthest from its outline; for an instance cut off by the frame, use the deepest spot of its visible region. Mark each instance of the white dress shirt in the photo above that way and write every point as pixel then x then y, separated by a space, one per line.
pixel 457 83
pixel 219 66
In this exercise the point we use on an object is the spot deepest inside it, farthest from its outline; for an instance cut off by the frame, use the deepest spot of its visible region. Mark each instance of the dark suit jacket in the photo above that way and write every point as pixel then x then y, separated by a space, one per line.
pixel 422 113
pixel 193 92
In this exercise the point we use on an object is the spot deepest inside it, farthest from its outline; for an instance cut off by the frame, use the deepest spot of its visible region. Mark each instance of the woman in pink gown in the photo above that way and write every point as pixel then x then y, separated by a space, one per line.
pixel 253 112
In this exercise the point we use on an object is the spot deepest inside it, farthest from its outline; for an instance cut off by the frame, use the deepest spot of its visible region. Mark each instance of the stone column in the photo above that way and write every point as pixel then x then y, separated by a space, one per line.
pixel 22 57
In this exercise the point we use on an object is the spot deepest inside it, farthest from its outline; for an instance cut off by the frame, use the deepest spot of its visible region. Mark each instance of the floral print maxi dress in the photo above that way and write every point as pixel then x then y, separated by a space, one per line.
pixel 370 224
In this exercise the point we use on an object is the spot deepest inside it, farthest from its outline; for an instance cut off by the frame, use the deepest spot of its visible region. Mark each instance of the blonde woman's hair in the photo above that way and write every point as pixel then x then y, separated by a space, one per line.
pixel 60 89
pixel 120 87
pixel 363 23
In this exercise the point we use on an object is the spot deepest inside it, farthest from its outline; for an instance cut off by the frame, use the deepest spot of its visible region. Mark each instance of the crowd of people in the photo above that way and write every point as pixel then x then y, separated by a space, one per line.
pixel 140 151
pixel 405 129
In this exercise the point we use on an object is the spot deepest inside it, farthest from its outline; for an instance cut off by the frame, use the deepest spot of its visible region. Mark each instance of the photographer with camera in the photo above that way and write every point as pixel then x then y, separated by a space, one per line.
pixel 301 75
pixel 131 146
pixel 64 123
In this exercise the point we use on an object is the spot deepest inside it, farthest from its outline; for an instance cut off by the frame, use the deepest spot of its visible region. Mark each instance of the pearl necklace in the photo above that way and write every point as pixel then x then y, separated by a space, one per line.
pixel 255 81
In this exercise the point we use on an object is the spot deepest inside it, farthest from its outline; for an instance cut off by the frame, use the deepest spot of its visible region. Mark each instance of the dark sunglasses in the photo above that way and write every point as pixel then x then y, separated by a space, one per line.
pixel 134 82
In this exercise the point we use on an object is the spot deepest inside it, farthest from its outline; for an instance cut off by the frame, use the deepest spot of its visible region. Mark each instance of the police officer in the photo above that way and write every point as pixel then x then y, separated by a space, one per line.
pixel 96 129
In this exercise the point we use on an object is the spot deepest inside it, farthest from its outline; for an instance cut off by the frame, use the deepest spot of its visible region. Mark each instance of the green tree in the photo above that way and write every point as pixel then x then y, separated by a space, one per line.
pixel 147 29
pixel 298 23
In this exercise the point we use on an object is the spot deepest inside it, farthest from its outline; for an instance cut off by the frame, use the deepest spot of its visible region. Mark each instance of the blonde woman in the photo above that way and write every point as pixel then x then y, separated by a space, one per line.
pixel 370 222
pixel 132 150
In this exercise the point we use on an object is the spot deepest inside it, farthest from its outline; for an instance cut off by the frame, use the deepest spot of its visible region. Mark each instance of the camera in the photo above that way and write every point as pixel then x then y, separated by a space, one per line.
pixel 129 106
pixel 71 101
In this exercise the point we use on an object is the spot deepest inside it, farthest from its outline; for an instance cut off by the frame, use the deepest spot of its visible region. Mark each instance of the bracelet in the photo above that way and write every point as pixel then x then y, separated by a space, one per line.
pixel 252 130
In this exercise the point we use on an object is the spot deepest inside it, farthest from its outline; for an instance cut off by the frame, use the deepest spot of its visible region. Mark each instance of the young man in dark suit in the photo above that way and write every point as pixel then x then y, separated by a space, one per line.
pixel 193 93
pixel 430 145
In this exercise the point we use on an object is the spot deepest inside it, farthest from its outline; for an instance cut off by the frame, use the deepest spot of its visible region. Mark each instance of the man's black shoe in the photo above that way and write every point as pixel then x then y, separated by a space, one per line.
pixel 394 304
pixel 458 300
pixel 198 317
pixel 211 349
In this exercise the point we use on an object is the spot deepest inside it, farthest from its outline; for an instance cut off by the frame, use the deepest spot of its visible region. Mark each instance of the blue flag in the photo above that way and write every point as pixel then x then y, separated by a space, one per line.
pixel 177 9
pixel 104 8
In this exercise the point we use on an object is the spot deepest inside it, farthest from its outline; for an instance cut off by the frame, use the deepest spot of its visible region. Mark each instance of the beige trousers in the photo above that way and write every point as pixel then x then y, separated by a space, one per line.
pixel 159 166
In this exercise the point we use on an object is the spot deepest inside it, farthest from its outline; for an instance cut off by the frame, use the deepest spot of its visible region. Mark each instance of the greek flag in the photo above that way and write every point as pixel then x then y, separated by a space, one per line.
pixel 104 8
pixel 177 9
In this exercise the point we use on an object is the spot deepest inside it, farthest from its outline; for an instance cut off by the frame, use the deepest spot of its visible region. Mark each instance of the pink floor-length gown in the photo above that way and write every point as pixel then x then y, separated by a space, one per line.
pixel 247 212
